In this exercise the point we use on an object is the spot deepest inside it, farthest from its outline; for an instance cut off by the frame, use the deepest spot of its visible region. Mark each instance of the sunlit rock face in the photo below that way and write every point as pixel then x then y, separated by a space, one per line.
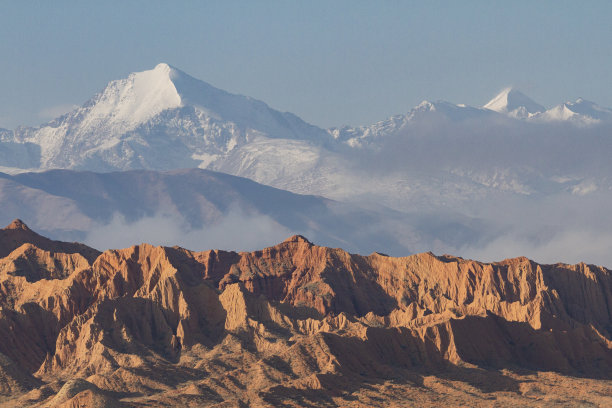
pixel 294 324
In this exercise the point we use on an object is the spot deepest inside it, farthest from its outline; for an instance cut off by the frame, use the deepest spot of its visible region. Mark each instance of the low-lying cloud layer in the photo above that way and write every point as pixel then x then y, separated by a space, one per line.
pixel 235 231
pixel 481 189
pixel 562 227
pixel 537 190
pixel 569 246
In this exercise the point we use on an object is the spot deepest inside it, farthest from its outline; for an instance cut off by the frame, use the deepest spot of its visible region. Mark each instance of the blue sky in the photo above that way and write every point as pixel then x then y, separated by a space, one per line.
pixel 330 62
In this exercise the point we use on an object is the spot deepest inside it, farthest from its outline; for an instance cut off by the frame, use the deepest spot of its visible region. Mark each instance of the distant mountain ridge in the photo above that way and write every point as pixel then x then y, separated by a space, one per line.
pixel 206 206
pixel 441 165
pixel 164 119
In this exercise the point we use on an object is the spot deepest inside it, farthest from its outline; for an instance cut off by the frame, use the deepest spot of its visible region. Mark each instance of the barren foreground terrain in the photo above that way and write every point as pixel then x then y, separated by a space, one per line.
pixel 295 325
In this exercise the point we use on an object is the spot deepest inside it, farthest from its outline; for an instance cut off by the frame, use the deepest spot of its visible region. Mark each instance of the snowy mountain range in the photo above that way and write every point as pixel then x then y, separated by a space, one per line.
pixel 448 162
pixel 514 103
pixel 164 119
pixel 161 118
pixel 509 103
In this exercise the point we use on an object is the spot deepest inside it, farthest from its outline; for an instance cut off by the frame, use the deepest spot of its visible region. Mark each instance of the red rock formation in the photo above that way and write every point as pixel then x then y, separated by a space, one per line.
pixel 17 233
pixel 271 326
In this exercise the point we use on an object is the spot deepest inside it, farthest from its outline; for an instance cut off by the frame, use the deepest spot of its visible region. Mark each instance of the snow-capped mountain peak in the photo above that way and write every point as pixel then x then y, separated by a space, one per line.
pixel 440 111
pixel 580 111
pixel 514 103
pixel 447 110
pixel 588 108
pixel 136 99
pixel 161 118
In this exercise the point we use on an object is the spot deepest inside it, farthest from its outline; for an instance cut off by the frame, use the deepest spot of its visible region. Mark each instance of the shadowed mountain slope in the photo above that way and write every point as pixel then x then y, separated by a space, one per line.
pixel 204 208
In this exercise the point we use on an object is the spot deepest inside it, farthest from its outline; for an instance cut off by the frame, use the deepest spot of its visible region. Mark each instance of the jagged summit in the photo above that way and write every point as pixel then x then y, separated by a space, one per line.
pixel 17 224
pixel 298 238
pixel 17 233
pixel 514 103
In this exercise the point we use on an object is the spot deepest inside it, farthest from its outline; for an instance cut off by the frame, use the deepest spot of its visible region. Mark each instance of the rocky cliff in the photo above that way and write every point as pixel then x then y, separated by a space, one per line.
pixel 295 325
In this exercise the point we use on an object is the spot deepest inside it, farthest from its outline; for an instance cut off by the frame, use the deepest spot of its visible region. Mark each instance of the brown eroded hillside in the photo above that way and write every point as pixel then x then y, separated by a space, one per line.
pixel 295 325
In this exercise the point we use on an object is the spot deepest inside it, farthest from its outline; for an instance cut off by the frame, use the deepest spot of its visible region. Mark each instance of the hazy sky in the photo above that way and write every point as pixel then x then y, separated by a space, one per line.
pixel 330 62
